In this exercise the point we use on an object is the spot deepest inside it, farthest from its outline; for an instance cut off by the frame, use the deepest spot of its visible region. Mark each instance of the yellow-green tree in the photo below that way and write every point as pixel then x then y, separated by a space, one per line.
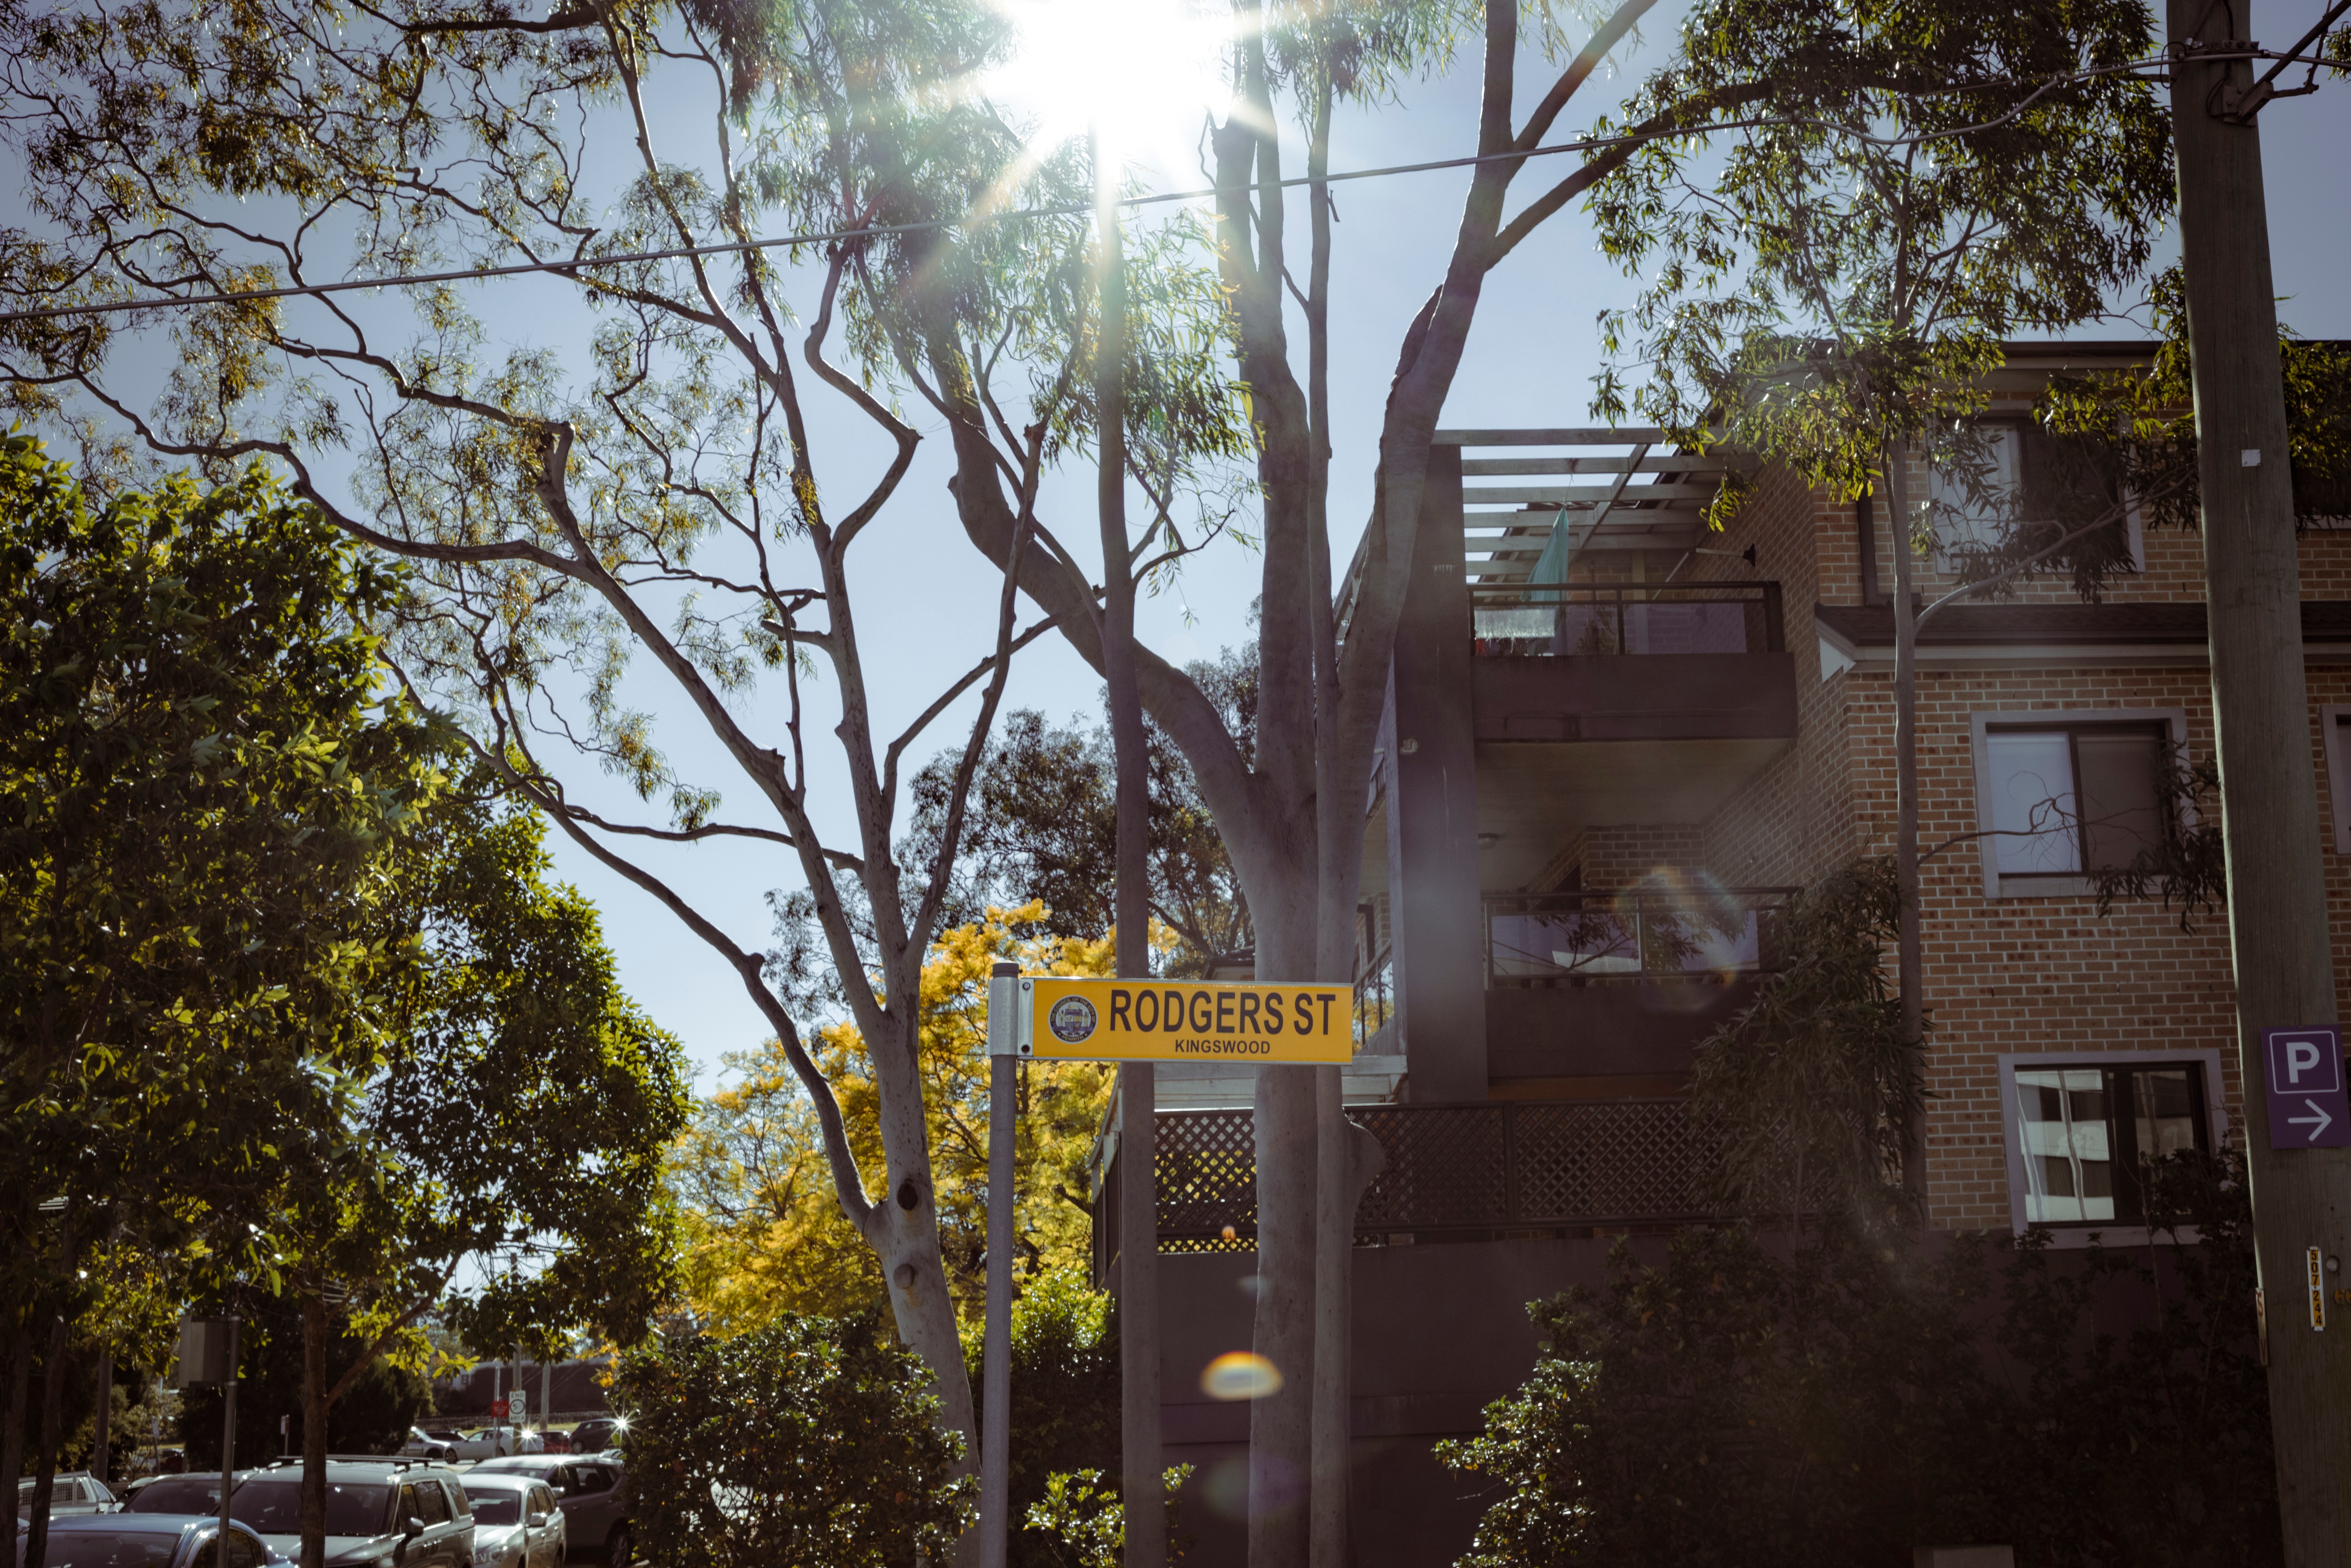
pixel 764 1232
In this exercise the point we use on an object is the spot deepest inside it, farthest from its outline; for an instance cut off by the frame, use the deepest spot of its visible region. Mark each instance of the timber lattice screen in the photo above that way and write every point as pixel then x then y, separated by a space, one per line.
pixel 1452 1172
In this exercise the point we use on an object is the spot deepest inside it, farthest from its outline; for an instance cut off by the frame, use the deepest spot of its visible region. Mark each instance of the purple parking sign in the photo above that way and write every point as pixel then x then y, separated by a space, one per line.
pixel 2308 1107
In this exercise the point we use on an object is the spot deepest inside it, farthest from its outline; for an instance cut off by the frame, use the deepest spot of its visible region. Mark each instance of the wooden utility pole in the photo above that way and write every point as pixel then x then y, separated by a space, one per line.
pixel 2262 720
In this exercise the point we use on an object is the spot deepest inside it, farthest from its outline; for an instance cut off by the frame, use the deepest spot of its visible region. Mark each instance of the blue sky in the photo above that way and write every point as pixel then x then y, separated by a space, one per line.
pixel 927 597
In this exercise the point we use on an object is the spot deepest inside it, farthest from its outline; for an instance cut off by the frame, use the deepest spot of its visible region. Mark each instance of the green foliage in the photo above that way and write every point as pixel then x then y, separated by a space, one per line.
pixel 1840 277
pixel 1813 1087
pixel 371 1417
pixel 809 1441
pixel 197 767
pixel 1081 1523
pixel 2137 428
pixel 1846 1402
pixel 1065 1409
pixel 526 1098
pixel 1041 824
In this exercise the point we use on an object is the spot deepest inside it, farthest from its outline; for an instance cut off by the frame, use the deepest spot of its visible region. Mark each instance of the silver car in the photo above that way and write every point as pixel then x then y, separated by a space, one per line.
pixel 517 1523
pixel 70 1493
pixel 586 1488
pixel 148 1540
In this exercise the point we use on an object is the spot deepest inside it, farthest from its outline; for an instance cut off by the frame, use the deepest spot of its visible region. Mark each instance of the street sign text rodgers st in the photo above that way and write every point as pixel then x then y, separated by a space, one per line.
pixel 1160 1021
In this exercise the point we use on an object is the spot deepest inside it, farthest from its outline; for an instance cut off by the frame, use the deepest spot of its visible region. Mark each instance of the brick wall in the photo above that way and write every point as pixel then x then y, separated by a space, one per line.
pixel 2001 975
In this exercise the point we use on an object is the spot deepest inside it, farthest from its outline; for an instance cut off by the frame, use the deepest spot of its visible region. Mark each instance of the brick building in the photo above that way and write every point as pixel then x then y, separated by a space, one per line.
pixel 1615 743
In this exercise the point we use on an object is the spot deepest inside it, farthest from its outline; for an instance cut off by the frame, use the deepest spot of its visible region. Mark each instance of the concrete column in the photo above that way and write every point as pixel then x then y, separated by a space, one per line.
pixel 1439 930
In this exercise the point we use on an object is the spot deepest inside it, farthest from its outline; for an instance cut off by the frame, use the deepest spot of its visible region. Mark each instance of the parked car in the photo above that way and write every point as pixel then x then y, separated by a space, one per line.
pixel 594 1504
pixel 552 1441
pixel 195 1493
pixel 70 1493
pixel 148 1540
pixel 517 1523
pixel 494 1442
pixel 597 1434
pixel 380 1513
pixel 424 1445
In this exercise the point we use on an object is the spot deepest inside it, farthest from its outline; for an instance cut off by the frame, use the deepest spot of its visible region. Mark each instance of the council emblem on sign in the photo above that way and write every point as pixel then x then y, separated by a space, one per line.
pixel 1072 1019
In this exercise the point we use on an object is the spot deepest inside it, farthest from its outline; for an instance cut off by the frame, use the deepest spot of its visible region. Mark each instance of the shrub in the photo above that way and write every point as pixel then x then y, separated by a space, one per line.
pixel 1856 1399
pixel 808 1442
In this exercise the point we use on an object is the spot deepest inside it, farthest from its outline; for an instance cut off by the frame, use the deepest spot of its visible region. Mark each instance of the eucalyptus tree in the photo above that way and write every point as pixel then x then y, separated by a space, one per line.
pixel 1830 276
pixel 677 504
pixel 1323 643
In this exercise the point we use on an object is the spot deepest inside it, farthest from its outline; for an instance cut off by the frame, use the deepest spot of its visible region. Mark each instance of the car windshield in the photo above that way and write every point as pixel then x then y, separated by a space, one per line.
pixel 112 1549
pixel 177 1494
pixel 274 1508
pixel 496 1507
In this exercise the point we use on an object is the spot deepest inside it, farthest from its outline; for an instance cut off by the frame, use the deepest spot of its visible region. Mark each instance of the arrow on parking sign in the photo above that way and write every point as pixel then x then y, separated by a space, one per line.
pixel 2308 1106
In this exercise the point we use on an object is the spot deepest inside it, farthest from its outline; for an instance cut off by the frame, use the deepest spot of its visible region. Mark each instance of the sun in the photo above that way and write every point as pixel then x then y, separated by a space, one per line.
pixel 1143 75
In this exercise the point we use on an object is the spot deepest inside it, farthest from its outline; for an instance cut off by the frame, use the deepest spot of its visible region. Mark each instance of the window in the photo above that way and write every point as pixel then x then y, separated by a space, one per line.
pixel 460 1506
pixel 274 1508
pixel 2335 725
pixel 2061 795
pixel 2024 474
pixel 2083 1130
pixel 588 1478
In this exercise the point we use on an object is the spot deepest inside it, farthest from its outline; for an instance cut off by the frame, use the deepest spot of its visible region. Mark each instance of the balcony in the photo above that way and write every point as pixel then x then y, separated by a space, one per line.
pixel 1552 940
pixel 1619 704
pixel 1625 620
pixel 1620 986
pixel 1453 1173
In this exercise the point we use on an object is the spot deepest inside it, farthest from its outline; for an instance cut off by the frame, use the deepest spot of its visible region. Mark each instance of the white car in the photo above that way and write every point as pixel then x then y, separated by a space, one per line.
pixel 424 1445
pixel 516 1521
pixel 494 1443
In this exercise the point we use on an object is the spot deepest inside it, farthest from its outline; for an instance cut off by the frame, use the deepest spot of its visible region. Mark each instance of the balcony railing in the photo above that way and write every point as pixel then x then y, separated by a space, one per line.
pixel 1477 1171
pixel 1562 619
pixel 1536 938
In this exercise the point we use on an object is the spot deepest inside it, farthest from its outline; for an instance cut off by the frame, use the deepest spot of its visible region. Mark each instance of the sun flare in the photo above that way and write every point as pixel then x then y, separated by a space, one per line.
pixel 1143 74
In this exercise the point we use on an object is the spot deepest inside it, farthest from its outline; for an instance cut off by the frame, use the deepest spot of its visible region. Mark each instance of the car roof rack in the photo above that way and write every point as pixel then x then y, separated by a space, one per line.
pixel 398 1462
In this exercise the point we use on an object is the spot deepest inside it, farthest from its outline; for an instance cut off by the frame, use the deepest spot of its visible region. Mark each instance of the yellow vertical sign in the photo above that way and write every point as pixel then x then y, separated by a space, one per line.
pixel 1160 1021
pixel 2317 1289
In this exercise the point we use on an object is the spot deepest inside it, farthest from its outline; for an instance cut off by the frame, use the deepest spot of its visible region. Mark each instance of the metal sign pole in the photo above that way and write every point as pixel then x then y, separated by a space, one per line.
pixel 996 1389
pixel 232 1327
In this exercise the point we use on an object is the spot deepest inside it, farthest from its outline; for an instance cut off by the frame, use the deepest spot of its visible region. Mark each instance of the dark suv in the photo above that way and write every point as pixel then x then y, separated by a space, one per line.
pixel 380 1513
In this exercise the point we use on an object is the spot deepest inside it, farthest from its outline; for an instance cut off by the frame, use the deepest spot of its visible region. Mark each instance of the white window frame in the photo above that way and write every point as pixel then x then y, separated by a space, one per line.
pixel 1979 727
pixel 2216 1128
pixel 2335 734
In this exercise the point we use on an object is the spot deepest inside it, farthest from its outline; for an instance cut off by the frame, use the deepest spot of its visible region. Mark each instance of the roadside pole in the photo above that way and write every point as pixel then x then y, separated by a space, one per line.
pixel 1133 1021
pixel 996 1377
pixel 231 1334
pixel 2262 720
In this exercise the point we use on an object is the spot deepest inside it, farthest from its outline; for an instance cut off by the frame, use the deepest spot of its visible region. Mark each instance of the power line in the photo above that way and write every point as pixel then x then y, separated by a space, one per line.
pixel 1073 209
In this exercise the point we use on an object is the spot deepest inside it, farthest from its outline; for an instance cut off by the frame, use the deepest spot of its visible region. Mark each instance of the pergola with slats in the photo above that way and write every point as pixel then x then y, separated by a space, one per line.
pixel 1638 497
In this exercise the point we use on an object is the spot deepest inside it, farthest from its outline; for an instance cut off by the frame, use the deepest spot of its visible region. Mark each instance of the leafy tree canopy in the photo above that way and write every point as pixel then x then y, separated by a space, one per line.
pixel 808 1441
pixel 764 1232
pixel 1041 824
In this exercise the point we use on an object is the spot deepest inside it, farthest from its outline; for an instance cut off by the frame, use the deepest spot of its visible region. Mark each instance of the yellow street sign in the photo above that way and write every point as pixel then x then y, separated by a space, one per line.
pixel 1162 1020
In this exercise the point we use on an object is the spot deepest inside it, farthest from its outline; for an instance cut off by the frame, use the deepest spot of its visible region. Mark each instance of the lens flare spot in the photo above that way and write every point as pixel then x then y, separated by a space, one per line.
pixel 1240 1375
